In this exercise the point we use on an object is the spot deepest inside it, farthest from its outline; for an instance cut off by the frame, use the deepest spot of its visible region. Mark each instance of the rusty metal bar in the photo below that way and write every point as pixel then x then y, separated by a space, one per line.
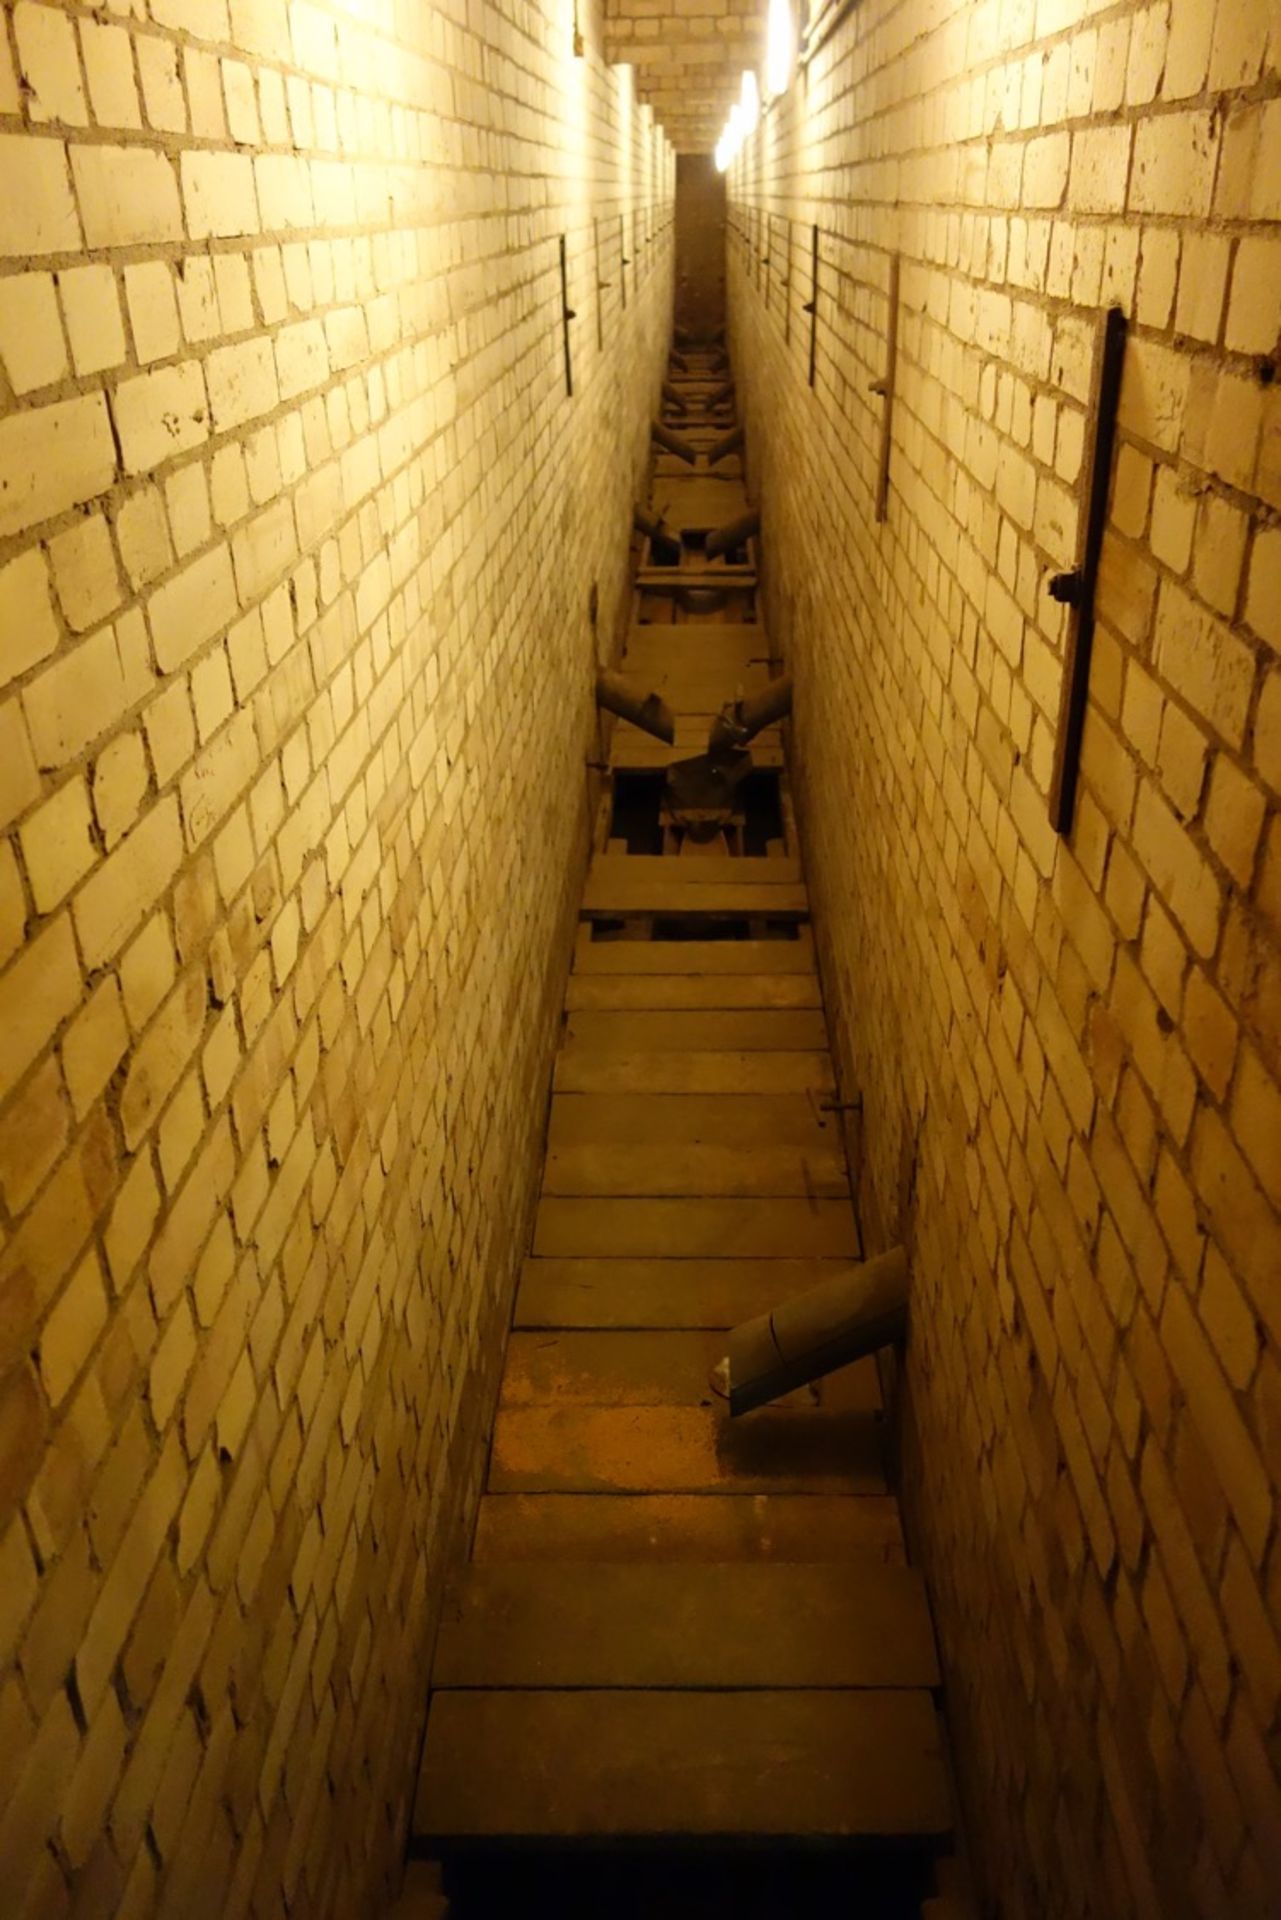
pixel 885 387
pixel 623 261
pixel 566 315
pixel 811 305
pixel 1077 589
pixel 729 443
pixel 600 289
pixel 733 534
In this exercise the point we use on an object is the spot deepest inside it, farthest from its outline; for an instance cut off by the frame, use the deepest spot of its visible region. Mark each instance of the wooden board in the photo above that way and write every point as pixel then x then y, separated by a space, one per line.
pixel 632 750
pixel 581 1070
pixel 640 1449
pixel 611 894
pixel 694 956
pixel 761 1766
pixel 747 1626
pixel 659 1293
pixel 617 993
pixel 711 1029
pixel 685 1168
pixel 699 500
pixel 656 1369
pixel 722 640
pixel 699 871
pixel 711 1229
pixel 688 1526
pixel 708 1119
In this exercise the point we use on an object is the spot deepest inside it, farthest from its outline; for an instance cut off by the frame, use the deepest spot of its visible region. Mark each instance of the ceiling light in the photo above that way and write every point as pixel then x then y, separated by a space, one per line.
pixel 780 47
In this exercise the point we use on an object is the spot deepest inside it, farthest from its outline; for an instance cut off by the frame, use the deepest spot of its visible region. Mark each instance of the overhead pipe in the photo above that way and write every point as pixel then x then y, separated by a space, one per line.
pixel 733 534
pixel 664 544
pixel 627 698
pixel 727 444
pixel 815 1332
pixel 674 443
pixel 744 718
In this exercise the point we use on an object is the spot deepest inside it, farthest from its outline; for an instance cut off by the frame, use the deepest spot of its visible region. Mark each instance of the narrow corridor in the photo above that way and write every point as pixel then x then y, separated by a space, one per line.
pixel 678 1630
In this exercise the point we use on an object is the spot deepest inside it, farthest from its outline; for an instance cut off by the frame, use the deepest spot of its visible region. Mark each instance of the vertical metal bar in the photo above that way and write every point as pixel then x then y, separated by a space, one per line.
pixel 566 315
pixel 1077 589
pixel 623 261
pixel 600 289
pixel 885 387
pixel 811 305
pixel 787 284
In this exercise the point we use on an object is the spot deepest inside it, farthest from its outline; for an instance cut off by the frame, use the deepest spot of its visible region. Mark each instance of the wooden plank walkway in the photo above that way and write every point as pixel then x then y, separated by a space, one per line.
pixel 672 1626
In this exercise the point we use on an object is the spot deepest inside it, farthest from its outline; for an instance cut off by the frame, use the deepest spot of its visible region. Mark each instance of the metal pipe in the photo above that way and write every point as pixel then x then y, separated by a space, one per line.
pixel 733 534
pixel 664 545
pixel 742 720
pixel 815 1332
pixel 628 699
pixel 674 443
pixel 728 443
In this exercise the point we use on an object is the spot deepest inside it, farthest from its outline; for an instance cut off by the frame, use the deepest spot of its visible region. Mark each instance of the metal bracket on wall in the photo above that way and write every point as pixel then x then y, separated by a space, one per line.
pixel 1077 589
pixel 811 305
pixel 623 261
pixel 566 315
pixel 885 388
pixel 787 282
pixel 601 285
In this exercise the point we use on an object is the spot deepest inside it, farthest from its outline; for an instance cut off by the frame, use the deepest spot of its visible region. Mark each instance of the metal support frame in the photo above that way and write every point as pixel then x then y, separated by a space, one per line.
pixel 885 388
pixel 1077 589
pixel 811 305
pixel 566 315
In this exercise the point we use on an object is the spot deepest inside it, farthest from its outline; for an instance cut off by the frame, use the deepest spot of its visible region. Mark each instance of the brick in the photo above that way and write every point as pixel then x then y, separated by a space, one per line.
pixel 91 310
pixel 38 213
pixel 94 1046
pixel 31 344
pixel 72 1329
pixel 218 193
pixel 84 572
pixel 26 615
pixel 127 884
pixel 37 994
pixel 57 845
pixel 160 1057
pixel 153 311
pixel 80 695
pixel 1235 1455
pixel 49 64
pixel 190 609
pixel 52 458
pixel 108 58
pixel 1208 666
pixel 161 414
pixel 128 196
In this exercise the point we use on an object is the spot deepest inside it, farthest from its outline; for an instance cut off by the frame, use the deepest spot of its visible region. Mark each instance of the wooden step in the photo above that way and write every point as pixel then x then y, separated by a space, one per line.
pixel 686 1228
pixel 688 1526
pixel 704 500
pixel 676 957
pixel 618 1294
pixel 645 992
pixel 685 1626
pixel 705 1029
pixel 772 870
pixel 582 1070
pixel 723 1120
pixel 589 1367
pixel 553 1449
pixel 771 1766
pixel 617 885
pixel 632 750
pixel 684 1170
pixel 687 1169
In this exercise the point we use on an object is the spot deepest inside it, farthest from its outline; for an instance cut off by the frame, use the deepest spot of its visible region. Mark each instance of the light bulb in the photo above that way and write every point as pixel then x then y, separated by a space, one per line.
pixel 780 47
pixel 749 101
